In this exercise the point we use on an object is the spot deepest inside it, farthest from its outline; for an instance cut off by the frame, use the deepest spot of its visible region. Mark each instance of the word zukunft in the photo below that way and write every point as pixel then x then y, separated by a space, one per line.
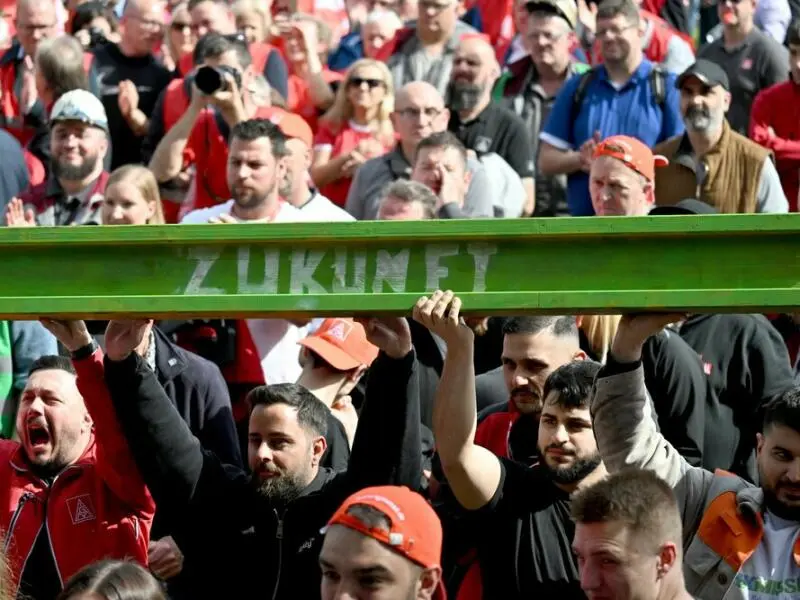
pixel 339 270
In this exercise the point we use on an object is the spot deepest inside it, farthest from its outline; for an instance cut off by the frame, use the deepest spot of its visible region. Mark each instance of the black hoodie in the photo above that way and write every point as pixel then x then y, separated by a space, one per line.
pixel 251 548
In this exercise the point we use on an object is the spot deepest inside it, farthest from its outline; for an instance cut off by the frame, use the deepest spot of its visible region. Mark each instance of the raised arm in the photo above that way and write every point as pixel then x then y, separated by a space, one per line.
pixel 473 472
pixel 174 466
pixel 387 449
pixel 115 463
pixel 624 423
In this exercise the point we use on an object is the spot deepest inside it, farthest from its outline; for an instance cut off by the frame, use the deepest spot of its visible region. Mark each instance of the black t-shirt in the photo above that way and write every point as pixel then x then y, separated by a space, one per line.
pixel 500 131
pixel 524 538
pixel 109 68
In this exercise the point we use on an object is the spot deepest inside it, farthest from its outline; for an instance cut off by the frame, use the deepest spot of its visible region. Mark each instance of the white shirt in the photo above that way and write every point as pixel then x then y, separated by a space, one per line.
pixel 508 192
pixel 320 209
pixel 275 339
pixel 771 572
pixel 286 214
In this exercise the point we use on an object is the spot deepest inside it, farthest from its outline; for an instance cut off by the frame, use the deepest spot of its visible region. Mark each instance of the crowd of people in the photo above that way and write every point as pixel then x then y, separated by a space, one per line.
pixel 631 457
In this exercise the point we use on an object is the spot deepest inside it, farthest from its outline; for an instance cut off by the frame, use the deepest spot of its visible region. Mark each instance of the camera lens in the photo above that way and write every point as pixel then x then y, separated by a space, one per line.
pixel 208 79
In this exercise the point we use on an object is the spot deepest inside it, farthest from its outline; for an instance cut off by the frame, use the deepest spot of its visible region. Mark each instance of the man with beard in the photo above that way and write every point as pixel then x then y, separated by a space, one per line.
pixel 711 162
pixel 73 193
pixel 740 541
pixel 480 124
pixel 259 533
pixel 71 493
pixel 533 347
pixel 523 530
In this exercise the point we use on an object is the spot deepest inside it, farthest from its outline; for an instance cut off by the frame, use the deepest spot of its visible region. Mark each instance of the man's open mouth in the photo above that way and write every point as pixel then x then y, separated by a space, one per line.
pixel 38 436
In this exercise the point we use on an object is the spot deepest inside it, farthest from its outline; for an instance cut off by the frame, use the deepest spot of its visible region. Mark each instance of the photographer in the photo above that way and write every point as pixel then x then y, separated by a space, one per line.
pixel 129 79
pixel 225 85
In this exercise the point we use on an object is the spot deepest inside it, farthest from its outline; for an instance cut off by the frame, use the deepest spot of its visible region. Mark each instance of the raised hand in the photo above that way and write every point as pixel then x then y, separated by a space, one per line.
pixel 18 216
pixel 73 335
pixel 634 330
pixel 28 94
pixel 440 314
pixel 390 334
pixel 124 337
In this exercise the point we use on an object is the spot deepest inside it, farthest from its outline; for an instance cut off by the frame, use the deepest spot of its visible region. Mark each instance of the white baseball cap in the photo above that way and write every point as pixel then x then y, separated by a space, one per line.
pixel 80 105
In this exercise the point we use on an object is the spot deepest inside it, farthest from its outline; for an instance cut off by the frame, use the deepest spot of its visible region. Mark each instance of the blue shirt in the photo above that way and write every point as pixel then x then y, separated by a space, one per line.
pixel 631 110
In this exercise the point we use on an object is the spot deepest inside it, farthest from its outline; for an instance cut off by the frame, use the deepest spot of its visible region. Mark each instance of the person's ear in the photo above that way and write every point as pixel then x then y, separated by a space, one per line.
pixel 726 101
pixel 151 210
pixel 580 355
pixel 759 443
pixel 667 559
pixel 429 582
pixel 318 447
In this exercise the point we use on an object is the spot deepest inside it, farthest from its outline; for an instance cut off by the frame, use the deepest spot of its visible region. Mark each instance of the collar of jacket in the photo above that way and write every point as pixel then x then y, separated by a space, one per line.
pixel 53 188
pixel 684 154
pixel 169 362
pixel 19 461
pixel 12 54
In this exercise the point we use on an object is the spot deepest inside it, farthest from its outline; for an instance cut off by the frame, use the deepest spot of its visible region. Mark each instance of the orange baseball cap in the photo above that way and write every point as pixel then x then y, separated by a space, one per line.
pixel 293 126
pixel 633 153
pixel 342 343
pixel 416 531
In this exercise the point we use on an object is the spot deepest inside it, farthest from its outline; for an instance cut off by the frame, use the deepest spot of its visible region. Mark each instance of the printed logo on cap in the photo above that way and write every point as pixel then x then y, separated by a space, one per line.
pixel 340 330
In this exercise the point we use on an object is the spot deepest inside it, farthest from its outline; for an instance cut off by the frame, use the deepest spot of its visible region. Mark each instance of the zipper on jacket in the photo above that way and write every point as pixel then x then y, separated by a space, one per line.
pixel 14 518
pixel 50 543
pixel 279 537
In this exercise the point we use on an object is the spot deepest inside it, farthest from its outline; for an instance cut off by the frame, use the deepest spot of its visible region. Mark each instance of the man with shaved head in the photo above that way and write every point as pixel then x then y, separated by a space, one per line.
pixel 129 79
pixel 21 110
pixel 419 111
pixel 483 126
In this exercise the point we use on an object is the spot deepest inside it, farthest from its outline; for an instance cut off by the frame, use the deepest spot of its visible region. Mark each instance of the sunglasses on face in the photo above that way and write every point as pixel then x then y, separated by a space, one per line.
pixel 357 82
pixel 180 26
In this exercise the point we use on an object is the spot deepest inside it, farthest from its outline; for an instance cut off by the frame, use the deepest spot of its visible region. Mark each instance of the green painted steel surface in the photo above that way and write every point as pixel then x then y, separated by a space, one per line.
pixel 717 263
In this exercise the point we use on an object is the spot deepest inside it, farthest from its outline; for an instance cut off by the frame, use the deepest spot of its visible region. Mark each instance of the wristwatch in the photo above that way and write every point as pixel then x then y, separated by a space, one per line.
pixel 84 351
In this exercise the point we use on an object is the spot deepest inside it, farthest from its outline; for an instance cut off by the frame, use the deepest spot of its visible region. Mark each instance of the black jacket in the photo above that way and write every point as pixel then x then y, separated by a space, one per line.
pixel 252 548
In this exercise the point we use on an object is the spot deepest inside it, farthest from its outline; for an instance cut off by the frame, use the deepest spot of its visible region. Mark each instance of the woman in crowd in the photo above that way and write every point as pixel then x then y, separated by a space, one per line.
pixel 252 20
pixel 112 580
pixel 180 39
pixel 355 129
pixel 132 198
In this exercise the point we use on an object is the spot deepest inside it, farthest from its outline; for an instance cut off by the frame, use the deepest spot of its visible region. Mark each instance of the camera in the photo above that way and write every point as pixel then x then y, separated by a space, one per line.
pixel 212 79
pixel 96 37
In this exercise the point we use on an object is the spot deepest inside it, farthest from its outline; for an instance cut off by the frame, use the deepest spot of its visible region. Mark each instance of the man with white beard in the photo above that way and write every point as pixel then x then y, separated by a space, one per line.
pixel 710 161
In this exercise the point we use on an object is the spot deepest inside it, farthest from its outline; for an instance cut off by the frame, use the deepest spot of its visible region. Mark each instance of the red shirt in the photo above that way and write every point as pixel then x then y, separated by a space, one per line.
pixel 300 101
pixel 778 107
pixel 340 143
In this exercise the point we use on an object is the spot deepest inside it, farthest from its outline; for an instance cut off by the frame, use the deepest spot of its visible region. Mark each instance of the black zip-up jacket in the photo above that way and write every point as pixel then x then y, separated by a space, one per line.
pixel 251 548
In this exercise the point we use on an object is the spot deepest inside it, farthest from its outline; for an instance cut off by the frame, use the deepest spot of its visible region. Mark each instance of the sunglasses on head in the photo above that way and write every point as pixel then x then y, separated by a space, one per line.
pixel 359 81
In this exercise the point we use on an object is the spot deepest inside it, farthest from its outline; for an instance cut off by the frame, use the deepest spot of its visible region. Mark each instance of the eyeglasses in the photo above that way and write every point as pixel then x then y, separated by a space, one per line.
pixel 359 81
pixel 175 26
pixel 415 113
pixel 613 32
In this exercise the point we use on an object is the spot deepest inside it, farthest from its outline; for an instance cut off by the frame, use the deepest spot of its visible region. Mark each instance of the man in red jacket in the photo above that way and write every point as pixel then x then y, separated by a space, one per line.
pixel 71 493
pixel 533 347
pixel 775 122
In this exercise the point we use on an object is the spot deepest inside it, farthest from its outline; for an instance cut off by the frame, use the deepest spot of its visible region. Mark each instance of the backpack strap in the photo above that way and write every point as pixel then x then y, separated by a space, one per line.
pixel 658 83
pixel 580 93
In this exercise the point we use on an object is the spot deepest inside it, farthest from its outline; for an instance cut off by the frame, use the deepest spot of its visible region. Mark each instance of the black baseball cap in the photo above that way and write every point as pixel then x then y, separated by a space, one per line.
pixel 710 73
pixel 690 206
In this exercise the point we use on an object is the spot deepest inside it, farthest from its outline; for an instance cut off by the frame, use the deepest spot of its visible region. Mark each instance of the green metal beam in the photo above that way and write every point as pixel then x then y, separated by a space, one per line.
pixel 716 263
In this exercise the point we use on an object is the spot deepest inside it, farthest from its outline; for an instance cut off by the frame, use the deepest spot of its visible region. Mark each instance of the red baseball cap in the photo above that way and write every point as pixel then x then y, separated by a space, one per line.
pixel 633 153
pixel 293 126
pixel 342 343
pixel 416 531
